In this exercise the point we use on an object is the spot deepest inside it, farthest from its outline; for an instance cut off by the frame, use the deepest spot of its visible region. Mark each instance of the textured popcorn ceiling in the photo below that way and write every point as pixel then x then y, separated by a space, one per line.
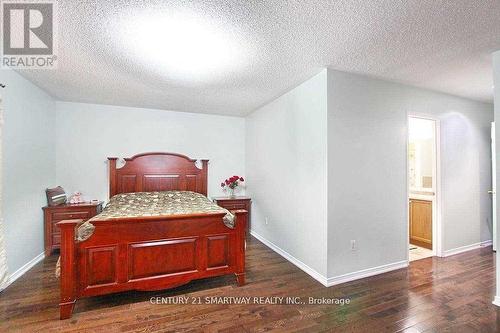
pixel 435 44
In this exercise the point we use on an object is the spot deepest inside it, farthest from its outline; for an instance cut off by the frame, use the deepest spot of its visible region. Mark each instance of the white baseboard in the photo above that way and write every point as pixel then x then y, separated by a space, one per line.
pixel 466 248
pixel 310 271
pixel 486 243
pixel 496 301
pixel 23 269
pixel 328 282
pixel 366 273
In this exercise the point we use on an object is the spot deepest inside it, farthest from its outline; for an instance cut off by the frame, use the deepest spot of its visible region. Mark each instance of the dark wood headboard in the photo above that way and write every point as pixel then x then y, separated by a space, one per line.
pixel 150 172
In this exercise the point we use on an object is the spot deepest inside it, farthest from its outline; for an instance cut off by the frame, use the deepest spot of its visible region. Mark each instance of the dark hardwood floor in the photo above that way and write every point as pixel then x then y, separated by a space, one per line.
pixel 453 294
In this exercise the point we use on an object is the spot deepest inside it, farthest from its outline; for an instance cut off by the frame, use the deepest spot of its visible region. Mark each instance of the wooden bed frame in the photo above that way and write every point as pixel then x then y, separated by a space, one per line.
pixel 150 253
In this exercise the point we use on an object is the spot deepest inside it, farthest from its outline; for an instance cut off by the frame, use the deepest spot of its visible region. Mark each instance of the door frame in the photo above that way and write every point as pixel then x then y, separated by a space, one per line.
pixel 437 230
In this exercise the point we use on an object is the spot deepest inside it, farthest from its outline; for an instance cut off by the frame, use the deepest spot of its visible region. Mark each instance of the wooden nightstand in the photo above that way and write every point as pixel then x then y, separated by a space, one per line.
pixel 233 203
pixel 54 214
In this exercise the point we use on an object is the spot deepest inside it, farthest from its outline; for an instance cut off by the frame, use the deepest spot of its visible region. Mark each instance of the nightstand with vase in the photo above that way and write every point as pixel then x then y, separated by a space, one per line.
pixel 232 201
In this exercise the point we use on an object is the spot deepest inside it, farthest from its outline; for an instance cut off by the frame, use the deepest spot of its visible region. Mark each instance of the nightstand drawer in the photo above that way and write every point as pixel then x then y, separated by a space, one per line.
pixel 234 206
pixel 59 216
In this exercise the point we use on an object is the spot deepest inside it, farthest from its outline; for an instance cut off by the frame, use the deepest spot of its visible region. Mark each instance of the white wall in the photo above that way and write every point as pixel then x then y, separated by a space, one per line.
pixel 286 143
pixel 28 165
pixel 367 133
pixel 88 134
pixel 366 173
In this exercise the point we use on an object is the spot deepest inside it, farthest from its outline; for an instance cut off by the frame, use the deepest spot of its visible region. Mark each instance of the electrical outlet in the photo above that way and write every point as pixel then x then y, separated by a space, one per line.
pixel 267 220
pixel 353 245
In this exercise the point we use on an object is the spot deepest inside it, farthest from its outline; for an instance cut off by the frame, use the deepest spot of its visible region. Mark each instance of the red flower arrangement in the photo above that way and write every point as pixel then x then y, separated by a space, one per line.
pixel 231 183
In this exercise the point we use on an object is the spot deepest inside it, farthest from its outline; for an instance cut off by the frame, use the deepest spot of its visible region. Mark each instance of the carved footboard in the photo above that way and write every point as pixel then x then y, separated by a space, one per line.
pixel 149 253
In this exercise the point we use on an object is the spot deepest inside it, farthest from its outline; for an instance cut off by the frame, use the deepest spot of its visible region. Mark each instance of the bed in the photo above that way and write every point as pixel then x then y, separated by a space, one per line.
pixel 165 245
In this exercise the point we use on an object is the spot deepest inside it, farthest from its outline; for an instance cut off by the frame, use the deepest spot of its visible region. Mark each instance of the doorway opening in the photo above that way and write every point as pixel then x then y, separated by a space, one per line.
pixel 422 188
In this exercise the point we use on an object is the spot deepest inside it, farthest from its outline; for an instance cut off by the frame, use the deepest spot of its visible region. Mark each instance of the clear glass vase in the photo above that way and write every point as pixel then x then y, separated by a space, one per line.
pixel 230 192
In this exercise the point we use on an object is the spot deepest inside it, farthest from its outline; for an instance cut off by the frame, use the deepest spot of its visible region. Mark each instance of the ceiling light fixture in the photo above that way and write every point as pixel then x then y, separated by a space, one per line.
pixel 184 46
